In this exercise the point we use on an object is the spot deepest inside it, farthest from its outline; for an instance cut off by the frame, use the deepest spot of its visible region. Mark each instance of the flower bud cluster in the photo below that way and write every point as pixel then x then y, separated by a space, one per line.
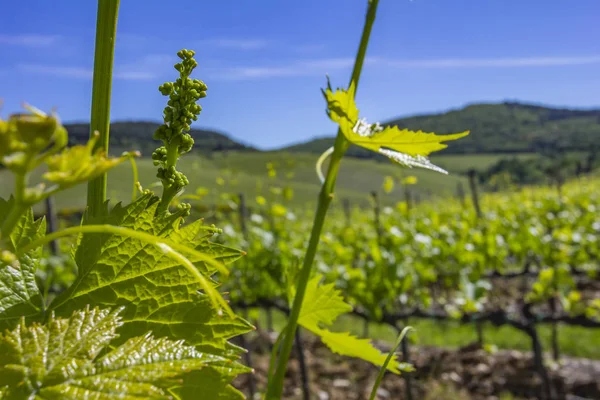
pixel 178 115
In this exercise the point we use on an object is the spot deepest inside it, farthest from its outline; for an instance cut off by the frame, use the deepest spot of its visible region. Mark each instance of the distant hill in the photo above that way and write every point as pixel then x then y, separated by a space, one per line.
pixel 497 128
pixel 137 135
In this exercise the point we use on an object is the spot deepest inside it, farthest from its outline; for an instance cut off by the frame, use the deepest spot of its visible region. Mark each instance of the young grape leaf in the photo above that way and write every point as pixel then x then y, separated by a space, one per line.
pixel 403 146
pixel 322 305
pixel 206 384
pixel 80 163
pixel 349 345
pixel 73 359
pixel 19 293
pixel 158 293
pixel 341 107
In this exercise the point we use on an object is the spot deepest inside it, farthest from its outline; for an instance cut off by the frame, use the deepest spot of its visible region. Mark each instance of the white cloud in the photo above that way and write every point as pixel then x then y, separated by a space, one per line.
pixel 153 66
pixel 489 62
pixel 147 68
pixel 326 65
pixel 238 44
pixel 60 71
pixel 309 48
pixel 29 40
pixel 299 68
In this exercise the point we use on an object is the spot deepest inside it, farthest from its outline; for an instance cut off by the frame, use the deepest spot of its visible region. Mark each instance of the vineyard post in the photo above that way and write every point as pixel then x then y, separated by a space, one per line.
pixel 377 225
pixel 243 213
pixel 376 215
pixel 475 196
pixel 591 159
pixel 106 32
pixel 460 193
pixel 269 312
pixel 554 338
pixel 553 301
pixel 347 210
pixel 52 223
pixel 538 360
pixel 365 328
pixel 302 364
pixel 248 355
pixel 559 183
pixel 341 144
pixel 407 197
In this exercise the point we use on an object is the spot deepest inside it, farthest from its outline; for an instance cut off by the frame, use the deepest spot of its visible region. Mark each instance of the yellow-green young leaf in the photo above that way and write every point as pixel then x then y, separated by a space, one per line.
pixel 410 180
pixel 158 293
pixel 322 305
pixel 345 344
pixel 80 164
pixel 341 107
pixel 19 293
pixel 75 358
pixel 388 184
pixel 408 148
pixel 408 142
pixel 207 384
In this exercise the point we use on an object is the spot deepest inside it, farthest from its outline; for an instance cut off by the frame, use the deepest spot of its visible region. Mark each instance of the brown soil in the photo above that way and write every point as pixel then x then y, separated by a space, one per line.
pixel 441 374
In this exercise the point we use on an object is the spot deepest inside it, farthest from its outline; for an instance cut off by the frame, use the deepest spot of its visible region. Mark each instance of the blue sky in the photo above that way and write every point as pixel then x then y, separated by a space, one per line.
pixel 265 61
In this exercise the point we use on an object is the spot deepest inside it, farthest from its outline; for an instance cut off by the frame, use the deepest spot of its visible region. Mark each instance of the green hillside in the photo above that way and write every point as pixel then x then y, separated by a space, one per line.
pixel 245 172
pixel 128 135
pixel 499 133
pixel 497 128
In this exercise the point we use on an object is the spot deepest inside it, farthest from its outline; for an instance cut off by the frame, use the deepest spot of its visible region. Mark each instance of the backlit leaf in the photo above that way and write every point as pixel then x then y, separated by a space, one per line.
pixel 403 146
pixel 158 294
pixel 322 305
pixel 74 359
pixel 19 293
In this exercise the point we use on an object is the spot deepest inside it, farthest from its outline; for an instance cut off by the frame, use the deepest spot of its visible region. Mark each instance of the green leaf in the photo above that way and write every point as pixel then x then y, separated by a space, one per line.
pixel 80 163
pixel 388 184
pixel 410 180
pixel 349 345
pixel 158 294
pixel 26 230
pixel 341 107
pixel 322 305
pixel 73 359
pixel 405 141
pixel 19 293
pixel 207 384
pixel 403 146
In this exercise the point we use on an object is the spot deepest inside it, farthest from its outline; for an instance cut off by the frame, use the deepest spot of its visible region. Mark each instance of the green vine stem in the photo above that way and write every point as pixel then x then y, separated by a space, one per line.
pixel 387 361
pixel 275 388
pixel 106 32
pixel 136 179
